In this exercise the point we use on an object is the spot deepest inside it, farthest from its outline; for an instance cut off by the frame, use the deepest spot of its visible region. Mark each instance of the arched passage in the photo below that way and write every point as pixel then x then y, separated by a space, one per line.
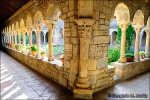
pixel 138 23
pixel 55 26
pixel 39 23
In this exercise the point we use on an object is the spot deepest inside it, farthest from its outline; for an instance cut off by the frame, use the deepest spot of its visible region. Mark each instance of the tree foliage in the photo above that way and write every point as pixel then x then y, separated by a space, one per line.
pixel 129 36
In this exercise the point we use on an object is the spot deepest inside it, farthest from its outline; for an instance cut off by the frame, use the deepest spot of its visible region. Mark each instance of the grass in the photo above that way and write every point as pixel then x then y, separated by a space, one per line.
pixel 59 49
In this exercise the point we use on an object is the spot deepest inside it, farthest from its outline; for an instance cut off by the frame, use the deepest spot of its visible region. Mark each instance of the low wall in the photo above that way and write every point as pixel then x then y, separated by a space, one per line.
pixel 96 79
pixel 127 70
pixel 52 71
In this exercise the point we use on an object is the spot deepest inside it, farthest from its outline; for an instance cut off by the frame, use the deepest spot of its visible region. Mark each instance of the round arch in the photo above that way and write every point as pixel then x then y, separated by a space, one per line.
pixel 138 19
pixel 52 15
pixel 38 20
pixel 122 14
pixel 29 22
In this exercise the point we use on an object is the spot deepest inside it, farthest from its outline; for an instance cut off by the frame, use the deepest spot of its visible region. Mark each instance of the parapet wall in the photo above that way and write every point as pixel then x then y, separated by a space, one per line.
pixel 96 79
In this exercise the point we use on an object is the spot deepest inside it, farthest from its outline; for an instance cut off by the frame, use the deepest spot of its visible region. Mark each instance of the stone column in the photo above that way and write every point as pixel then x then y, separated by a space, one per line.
pixel 30 40
pixel 6 39
pixel 136 49
pixel 141 35
pixel 19 39
pixel 85 28
pixel 50 44
pixel 24 39
pixel 12 38
pixel 147 50
pixel 123 43
pixel 9 38
pixel 38 42
pixel 15 40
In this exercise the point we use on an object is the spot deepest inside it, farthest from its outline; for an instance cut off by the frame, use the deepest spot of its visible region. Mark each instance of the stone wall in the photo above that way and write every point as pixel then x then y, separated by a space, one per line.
pixel 52 71
pixel 127 70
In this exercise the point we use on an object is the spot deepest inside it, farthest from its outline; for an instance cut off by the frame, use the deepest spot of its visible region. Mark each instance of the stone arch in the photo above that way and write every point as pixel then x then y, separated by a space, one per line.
pixel 116 3
pixel 148 23
pixel 38 20
pixel 13 28
pixel 17 25
pixel 122 14
pixel 10 29
pixel 53 13
pixel 138 20
pixel 29 21
pixel 22 24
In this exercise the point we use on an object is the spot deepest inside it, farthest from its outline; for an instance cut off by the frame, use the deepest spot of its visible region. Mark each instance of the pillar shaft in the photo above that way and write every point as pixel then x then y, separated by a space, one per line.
pixel 123 44
pixel 24 39
pixel 19 39
pixel 15 39
pixel 30 41
pixel 12 39
pixel 9 38
pixel 136 49
pixel 50 45
pixel 147 43
pixel 38 44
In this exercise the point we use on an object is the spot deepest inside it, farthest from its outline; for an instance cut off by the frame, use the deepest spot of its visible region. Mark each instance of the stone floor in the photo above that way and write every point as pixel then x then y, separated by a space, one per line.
pixel 18 81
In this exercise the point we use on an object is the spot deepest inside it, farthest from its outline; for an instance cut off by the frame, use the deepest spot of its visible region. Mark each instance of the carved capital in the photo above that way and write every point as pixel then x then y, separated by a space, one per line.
pixel 85 21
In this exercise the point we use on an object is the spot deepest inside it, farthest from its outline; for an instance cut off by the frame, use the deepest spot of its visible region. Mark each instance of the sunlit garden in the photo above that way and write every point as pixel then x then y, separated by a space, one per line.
pixel 114 52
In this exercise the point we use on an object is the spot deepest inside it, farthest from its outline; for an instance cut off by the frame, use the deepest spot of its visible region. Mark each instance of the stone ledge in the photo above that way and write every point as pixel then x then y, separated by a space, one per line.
pixel 83 93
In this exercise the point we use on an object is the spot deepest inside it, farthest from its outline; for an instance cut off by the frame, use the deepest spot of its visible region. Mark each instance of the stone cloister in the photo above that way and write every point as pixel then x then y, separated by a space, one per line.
pixel 86 40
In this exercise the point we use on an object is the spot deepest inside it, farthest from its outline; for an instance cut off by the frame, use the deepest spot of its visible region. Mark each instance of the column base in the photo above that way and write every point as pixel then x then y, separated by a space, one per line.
pixel 137 59
pixel 30 53
pixel 50 58
pixel 82 93
pixel 122 60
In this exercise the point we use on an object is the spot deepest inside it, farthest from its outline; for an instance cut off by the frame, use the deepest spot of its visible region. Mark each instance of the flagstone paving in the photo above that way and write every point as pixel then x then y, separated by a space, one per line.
pixel 18 81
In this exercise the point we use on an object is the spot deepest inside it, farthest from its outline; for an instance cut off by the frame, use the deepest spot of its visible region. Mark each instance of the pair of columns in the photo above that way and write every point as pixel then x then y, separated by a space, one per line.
pixel 136 51
pixel 38 42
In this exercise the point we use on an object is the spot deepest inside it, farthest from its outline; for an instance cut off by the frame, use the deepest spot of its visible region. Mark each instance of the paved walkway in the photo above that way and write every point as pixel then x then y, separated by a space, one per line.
pixel 18 81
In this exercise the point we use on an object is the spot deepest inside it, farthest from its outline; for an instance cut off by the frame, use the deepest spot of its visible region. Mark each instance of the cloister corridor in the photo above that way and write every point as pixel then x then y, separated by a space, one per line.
pixel 19 82
pixel 75 49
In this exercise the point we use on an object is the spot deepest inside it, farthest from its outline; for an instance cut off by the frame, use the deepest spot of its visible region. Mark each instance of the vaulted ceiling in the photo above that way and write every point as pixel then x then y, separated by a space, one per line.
pixel 9 7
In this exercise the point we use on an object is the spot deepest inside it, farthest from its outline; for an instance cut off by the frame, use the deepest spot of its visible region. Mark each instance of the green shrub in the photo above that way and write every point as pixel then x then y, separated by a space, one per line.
pixel 141 53
pixel 33 48
pixel 129 36
pixel 113 55
pixel 129 54
pixel 42 52
pixel 16 45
